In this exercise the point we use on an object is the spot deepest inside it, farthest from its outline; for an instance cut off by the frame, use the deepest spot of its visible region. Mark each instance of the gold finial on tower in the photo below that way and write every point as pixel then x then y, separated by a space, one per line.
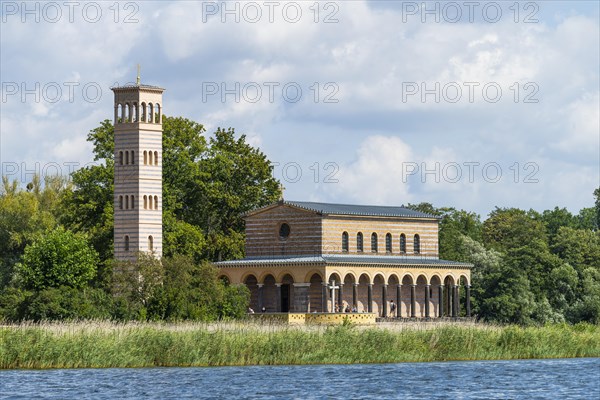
pixel 139 79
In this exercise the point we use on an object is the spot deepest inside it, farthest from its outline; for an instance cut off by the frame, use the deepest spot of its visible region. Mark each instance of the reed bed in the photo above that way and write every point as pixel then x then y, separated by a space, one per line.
pixel 100 344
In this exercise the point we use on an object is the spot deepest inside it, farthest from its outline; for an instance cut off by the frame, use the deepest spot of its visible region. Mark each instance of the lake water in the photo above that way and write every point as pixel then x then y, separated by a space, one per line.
pixel 524 379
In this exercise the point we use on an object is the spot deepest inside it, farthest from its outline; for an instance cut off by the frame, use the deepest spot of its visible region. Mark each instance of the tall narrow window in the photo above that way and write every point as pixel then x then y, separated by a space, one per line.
pixel 145 157
pixel 156 158
pixel 132 202
pixel 127 202
pixel 133 157
pixel 126 242
pixel 373 242
pixel 120 158
pixel 403 243
pixel 150 243
pixel 120 202
pixel 127 157
pixel 359 242
pixel 388 243
pixel 145 202
pixel 156 202
pixel 345 242
pixel 417 244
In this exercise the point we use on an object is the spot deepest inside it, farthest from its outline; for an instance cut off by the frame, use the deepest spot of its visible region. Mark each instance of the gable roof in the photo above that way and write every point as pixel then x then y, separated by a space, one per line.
pixel 351 209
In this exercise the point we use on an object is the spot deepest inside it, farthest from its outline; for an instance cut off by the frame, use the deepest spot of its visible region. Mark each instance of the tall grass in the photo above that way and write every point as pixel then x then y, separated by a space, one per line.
pixel 103 344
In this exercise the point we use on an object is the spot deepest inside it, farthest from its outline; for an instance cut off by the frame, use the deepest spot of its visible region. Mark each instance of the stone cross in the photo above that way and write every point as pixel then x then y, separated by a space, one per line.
pixel 333 288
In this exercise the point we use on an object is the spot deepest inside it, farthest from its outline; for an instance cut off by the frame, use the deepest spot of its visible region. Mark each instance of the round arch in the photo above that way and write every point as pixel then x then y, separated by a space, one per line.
pixel 310 273
pixel 282 275
pixel 338 276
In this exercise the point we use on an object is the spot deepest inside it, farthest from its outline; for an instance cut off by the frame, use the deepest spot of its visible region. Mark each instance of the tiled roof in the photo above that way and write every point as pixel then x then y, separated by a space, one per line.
pixel 362 210
pixel 344 259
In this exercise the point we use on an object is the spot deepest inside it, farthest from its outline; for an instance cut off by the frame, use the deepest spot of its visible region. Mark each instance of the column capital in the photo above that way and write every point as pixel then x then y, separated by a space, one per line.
pixel 399 285
pixel 413 285
pixel 468 286
pixel 428 285
pixel 260 285
pixel 370 284
pixel 355 284
pixel 278 284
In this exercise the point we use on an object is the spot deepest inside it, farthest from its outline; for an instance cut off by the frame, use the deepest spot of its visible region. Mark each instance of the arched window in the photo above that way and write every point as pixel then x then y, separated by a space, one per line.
pixel 120 158
pixel 156 158
pixel 119 113
pixel 403 243
pixel 359 242
pixel 145 202
pixel 388 243
pixel 136 115
pixel 126 243
pixel 156 202
pixel 345 242
pixel 143 108
pixel 284 231
pixel 157 119
pixel 150 112
pixel 133 157
pixel 150 243
pixel 373 242
pixel 127 157
pixel 132 202
pixel 120 202
pixel 145 157
pixel 127 202
pixel 127 112
pixel 417 244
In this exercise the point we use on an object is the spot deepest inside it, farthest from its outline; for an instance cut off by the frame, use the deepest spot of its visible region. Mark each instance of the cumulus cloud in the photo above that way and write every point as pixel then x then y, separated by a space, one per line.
pixel 367 57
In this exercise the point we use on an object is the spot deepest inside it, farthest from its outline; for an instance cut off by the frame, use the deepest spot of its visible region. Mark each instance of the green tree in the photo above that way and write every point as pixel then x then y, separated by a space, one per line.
pixel 206 189
pixel 597 196
pixel 555 219
pixel 59 258
pixel 510 228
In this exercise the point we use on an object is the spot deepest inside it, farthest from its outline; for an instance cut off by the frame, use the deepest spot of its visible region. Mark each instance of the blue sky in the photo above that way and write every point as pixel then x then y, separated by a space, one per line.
pixel 399 103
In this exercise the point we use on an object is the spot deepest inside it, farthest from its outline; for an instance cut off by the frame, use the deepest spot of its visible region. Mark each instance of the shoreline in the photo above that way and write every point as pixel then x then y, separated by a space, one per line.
pixel 102 344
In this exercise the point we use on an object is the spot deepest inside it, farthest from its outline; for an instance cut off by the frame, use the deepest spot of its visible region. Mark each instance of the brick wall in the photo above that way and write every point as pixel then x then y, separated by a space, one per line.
pixel 262 233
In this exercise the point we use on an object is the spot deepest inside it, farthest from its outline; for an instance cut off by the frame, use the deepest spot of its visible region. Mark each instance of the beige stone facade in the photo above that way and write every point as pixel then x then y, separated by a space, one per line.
pixel 138 171
pixel 306 257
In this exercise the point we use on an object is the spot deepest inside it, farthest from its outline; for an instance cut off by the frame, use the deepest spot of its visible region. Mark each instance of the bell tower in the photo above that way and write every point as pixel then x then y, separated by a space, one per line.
pixel 138 171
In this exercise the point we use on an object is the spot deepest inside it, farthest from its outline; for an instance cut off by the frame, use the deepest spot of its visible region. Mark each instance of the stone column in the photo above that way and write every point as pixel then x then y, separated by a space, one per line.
pixel 454 300
pixel 341 297
pixel 468 299
pixel 260 297
pixel 325 300
pixel 384 302
pixel 412 301
pixel 441 300
pixel 278 297
pixel 427 287
pixel 355 295
pixel 399 301
pixel 300 299
pixel 370 298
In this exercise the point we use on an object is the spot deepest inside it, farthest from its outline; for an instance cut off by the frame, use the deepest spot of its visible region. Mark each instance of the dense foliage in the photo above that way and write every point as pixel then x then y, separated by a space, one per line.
pixel 56 255
pixel 529 267
pixel 56 238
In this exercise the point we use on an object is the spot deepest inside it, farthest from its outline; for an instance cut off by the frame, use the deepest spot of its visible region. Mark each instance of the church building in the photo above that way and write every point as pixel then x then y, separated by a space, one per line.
pixel 306 257
pixel 301 257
